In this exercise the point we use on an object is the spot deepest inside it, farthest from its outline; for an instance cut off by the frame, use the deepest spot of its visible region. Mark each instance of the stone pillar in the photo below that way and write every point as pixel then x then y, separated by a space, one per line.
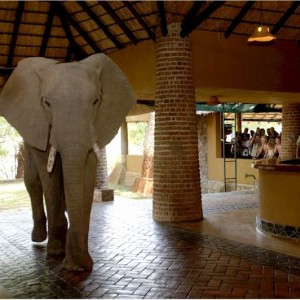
pixel 102 174
pixel 176 189
pixel 290 129
pixel 102 191
pixel 124 152
pixel 203 148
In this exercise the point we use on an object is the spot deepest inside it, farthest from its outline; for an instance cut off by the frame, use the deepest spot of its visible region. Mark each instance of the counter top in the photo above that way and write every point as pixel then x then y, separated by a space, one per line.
pixel 285 165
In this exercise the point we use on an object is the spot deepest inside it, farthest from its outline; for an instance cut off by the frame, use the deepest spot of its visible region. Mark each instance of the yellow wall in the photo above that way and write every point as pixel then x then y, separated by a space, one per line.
pixel 232 63
pixel 138 63
pixel 134 163
pixel 279 197
pixel 222 64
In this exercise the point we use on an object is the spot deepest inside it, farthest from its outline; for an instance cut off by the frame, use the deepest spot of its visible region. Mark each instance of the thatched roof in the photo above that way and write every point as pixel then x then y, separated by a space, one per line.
pixel 71 30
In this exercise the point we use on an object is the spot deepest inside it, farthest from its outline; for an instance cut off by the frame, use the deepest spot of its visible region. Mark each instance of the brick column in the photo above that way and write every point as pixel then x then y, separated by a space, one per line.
pixel 176 189
pixel 290 129
pixel 102 173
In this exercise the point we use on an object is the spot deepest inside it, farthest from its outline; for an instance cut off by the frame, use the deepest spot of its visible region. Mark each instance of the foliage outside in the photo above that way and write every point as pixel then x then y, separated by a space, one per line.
pixel 136 137
pixel 10 142
pixel 13 195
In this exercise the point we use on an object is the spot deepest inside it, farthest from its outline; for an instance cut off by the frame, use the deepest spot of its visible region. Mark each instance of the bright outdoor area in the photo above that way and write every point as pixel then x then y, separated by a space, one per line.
pixel 13 193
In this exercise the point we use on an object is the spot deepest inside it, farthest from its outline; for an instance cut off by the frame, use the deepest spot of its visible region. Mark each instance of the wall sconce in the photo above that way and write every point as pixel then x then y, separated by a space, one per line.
pixel 262 33
pixel 213 100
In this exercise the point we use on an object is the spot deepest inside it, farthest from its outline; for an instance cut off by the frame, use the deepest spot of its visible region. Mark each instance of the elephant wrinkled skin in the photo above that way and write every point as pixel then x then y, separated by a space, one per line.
pixel 65 112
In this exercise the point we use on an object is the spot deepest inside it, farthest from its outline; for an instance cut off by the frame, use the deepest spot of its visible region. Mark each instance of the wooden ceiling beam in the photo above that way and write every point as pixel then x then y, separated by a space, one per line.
pixel 140 20
pixel 79 53
pixel 47 30
pixel 200 18
pixel 99 23
pixel 14 38
pixel 285 17
pixel 238 18
pixel 192 13
pixel 64 14
pixel 106 6
pixel 5 71
pixel 162 15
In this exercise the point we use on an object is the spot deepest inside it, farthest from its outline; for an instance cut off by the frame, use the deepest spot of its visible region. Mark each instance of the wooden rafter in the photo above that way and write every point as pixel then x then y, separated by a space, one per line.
pixel 47 30
pixel 69 54
pixel 99 23
pixel 140 19
pixel 285 17
pixel 163 20
pixel 190 16
pixel 5 71
pixel 64 14
pixel 238 18
pixel 79 53
pixel 13 43
pixel 118 20
pixel 200 18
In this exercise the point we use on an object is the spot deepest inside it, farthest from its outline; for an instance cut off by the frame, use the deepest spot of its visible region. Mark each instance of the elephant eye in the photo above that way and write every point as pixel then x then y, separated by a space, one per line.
pixel 96 101
pixel 47 103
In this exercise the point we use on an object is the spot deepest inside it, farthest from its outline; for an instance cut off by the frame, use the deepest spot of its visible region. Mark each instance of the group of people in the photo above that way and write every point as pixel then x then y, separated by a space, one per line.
pixel 259 144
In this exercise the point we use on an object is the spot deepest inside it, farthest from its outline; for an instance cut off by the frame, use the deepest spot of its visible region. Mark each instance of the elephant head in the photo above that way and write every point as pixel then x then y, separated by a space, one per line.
pixel 75 107
pixel 65 104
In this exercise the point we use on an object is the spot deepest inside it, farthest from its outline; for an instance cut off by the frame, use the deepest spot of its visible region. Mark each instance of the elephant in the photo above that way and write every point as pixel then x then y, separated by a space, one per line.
pixel 65 113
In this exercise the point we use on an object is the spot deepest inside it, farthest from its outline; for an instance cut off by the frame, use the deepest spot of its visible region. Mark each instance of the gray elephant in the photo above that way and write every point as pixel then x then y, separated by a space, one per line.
pixel 64 111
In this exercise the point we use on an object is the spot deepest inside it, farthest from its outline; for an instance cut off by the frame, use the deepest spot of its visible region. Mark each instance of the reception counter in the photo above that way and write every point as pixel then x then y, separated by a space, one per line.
pixel 279 197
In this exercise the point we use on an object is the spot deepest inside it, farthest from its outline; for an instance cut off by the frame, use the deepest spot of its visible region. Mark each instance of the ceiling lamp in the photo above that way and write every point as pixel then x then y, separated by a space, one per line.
pixel 262 32
pixel 213 100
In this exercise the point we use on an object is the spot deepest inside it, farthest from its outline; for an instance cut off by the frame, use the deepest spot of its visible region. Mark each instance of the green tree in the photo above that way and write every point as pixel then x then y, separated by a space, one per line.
pixel 136 133
pixel 10 143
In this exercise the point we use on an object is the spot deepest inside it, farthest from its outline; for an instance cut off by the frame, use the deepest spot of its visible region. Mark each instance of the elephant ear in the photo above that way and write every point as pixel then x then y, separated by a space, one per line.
pixel 117 97
pixel 20 101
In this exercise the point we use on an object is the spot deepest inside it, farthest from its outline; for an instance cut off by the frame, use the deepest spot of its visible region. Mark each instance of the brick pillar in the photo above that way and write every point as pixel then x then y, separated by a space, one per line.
pixel 290 129
pixel 102 173
pixel 176 189
pixel 203 155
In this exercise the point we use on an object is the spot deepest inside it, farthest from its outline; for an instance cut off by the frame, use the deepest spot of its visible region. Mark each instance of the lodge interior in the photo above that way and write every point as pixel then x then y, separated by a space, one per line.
pixel 221 256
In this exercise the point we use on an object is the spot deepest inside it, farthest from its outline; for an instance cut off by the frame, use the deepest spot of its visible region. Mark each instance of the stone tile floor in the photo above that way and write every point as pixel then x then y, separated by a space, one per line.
pixel 136 257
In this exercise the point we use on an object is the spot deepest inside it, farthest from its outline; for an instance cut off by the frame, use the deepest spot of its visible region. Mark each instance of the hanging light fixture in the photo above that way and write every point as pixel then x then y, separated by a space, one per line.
pixel 262 32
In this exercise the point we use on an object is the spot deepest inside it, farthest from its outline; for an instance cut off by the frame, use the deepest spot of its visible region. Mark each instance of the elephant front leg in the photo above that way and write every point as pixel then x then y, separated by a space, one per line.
pixel 34 187
pixel 56 208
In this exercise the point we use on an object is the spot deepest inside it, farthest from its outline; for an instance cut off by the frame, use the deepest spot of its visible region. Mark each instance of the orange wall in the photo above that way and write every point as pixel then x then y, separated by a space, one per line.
pixel 138 63
pixel 232 63
pixel 219 63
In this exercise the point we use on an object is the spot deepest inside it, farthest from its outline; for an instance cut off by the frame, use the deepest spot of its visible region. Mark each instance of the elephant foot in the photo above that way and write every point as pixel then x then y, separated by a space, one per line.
pixel 85 265
pixel 39 231
pixel 56 248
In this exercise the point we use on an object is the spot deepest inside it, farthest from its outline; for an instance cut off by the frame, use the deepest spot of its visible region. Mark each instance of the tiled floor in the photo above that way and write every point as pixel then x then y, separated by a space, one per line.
pixel 135 257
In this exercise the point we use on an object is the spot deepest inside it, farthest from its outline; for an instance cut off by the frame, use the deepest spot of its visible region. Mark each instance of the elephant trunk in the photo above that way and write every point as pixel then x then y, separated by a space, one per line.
pixel 78 209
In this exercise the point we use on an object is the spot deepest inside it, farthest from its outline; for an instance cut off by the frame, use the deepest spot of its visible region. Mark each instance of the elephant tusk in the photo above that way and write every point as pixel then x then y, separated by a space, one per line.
pixel 97 152
pixel 51 159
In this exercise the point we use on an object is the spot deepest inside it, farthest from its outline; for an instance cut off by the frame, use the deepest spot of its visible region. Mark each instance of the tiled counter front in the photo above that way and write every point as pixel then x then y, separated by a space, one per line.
pixel 279 199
